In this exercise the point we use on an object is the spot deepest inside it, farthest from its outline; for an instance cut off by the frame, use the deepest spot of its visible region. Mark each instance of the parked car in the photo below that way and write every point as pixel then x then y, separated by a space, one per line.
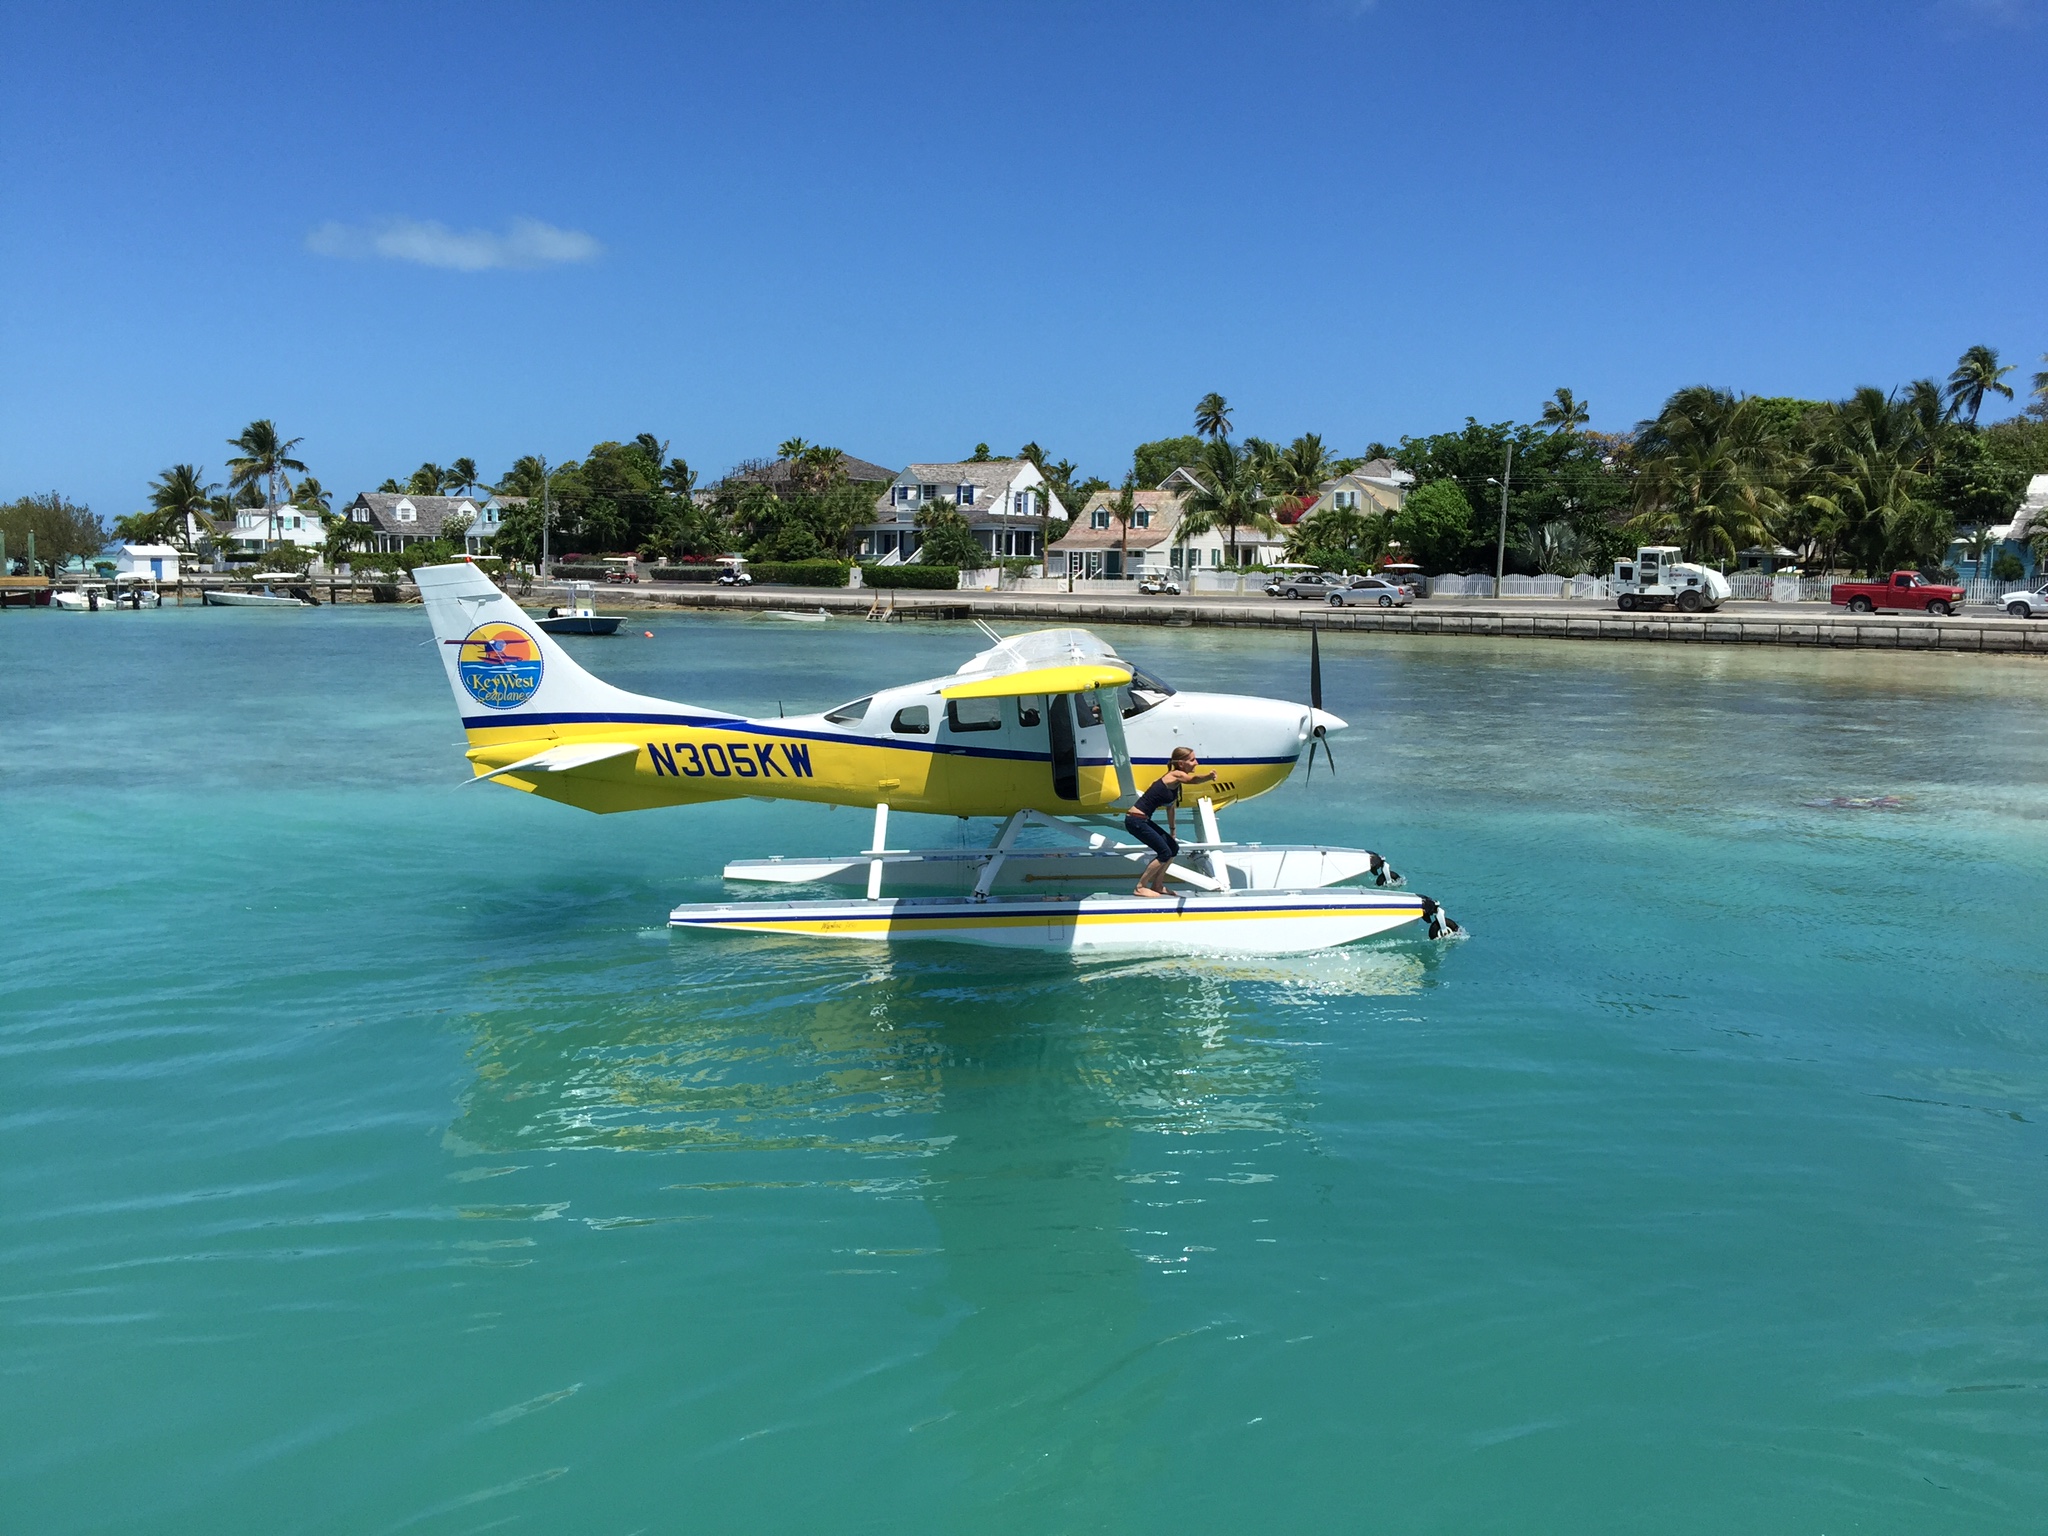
pixel 1403 575
pixel 1310 584
pixel 1154 586
pixel 2027 605
pixel 1907 590
pixel 619 574
pixel 1372 590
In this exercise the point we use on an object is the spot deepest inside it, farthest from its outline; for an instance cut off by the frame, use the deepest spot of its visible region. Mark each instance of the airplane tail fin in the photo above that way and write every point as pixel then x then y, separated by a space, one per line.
pixel 503 667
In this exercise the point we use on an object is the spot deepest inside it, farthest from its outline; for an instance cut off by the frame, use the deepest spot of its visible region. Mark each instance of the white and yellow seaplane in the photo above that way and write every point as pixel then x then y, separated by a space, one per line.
pixel 1051 731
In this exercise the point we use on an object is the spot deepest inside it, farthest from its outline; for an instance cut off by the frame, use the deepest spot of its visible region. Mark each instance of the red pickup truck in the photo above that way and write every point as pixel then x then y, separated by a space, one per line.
pixel 1907 589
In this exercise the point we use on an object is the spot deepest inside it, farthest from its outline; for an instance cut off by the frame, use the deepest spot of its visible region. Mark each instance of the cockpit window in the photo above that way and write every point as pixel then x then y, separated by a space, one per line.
pixel 851 714
pixel 912 720
pixel 1030 709
pixel 1142 693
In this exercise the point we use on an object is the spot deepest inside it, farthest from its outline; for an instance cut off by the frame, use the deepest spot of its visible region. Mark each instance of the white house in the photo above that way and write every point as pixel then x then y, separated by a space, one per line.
pixel 1002 500
pixel 156 561
pixel 261 527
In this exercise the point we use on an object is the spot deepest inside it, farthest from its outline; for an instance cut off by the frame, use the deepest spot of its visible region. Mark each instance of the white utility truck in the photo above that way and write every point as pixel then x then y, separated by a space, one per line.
pixel 1657 578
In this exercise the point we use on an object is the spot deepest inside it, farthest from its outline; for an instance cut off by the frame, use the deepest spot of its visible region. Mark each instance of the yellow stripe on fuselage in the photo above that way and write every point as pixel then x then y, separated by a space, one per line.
pixel 691 764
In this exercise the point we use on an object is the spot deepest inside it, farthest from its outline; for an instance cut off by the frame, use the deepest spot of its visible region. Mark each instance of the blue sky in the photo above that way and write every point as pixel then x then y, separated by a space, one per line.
pixel 418 231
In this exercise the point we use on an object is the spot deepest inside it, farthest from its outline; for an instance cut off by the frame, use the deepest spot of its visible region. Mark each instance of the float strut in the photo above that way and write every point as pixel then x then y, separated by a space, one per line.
pixel 880 847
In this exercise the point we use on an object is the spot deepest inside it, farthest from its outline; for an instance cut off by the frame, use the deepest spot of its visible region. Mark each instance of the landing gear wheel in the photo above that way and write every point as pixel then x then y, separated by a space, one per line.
pixel 1689 601
pixel 1940 610
pixel 1861 605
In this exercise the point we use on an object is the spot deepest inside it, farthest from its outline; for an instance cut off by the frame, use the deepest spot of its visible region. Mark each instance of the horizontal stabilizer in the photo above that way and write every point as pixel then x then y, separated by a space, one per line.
pixel 564 759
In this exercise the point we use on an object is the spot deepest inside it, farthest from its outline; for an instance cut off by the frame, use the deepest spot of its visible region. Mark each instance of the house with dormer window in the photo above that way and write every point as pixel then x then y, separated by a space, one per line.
pixel 1002 500
pixel 1378 485
pixel 398 520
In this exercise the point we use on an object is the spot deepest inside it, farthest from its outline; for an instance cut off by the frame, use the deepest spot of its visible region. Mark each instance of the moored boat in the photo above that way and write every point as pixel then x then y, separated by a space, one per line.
pixel 263 599
pixel 580 617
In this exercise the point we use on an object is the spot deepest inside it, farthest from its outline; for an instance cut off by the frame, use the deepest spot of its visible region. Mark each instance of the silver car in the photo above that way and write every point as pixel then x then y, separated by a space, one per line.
pixel 1371 590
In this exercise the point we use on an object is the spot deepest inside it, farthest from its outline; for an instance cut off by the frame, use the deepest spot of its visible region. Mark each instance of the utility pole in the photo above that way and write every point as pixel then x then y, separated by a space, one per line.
pixel 544 519
pixel 1500 557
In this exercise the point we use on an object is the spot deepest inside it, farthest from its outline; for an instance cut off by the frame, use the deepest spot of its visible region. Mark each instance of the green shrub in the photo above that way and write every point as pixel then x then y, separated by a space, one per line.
pixel 801 573
pixel 938 578
pixel 685 572
pixel 2007 566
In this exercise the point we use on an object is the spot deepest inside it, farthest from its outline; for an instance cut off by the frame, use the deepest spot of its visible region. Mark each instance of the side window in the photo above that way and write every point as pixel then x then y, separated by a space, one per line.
pixel 1086 711
pixel 912 720
pixel 973 715
pixel 851 714
pixel 1030 709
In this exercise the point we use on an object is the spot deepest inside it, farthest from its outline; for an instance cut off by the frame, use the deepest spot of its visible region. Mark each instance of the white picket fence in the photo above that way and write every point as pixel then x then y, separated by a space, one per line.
pixel 1573 587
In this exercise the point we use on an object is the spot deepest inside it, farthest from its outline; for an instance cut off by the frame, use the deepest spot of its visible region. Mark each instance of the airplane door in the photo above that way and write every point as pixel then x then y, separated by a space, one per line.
pixel 1066 762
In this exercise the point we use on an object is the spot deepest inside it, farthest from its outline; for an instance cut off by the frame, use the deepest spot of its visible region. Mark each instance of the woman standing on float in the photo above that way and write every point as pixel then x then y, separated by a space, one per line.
pixel 1165 790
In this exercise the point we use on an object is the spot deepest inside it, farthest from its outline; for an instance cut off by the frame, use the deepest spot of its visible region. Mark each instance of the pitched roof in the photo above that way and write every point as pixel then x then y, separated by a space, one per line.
pixel 987 474
pixel 431 513
pixel 777 475
pixel 1082 534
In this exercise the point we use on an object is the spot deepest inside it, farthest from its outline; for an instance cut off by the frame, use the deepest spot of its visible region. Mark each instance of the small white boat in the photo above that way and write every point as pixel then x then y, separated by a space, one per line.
pixel 264 599
pixel 89 597
pixel 792 616
pixel 580 617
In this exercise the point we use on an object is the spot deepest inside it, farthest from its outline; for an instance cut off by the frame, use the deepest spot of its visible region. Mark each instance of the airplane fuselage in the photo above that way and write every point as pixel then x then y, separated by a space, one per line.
pixel 908 749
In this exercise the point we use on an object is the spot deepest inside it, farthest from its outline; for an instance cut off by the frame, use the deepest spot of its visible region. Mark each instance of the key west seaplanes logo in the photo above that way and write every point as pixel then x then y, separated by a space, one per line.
pixel 499 664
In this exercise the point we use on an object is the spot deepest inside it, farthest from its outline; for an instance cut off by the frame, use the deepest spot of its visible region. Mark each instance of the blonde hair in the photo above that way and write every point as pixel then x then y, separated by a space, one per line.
pixel 1181 755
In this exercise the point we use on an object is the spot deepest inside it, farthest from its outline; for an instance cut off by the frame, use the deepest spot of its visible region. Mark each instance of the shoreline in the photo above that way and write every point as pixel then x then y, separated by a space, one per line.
pixel 1521 618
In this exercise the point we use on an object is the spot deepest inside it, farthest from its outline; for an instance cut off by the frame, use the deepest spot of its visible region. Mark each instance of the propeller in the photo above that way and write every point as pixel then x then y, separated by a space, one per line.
pixel 1315 702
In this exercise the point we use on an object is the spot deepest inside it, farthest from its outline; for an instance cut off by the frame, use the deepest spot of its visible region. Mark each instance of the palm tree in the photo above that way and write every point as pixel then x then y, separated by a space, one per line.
pixel 427 480
pixel 264 455
pixel 1708 471
pixel 462 476
pixel 1564 413
pixel 312 495
pixel 1977 375
pixel 1303 466
pixel 678 479
pixel 791 448
pixel 1212 416
pixel 1232 497
pixel 182 492
pixel 1874 461
pixel 1125 509
pixel 2040 390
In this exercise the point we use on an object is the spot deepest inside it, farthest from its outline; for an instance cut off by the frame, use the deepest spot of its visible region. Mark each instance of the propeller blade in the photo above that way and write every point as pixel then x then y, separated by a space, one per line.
pixel 1315 667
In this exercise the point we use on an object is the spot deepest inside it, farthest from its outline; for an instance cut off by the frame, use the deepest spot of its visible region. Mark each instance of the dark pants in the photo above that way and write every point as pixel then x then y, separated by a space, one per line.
pixel 1153 836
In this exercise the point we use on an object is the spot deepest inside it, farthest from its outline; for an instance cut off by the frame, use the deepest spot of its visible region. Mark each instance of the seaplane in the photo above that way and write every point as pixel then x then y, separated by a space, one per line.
pixel 1051 733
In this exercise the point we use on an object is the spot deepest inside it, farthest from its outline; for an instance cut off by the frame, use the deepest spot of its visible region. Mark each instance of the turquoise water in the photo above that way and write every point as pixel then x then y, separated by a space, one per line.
pixel 373 1159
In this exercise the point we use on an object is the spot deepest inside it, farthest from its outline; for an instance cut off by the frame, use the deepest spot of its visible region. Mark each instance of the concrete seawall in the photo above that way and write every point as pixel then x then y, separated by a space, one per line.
pixel 1754 624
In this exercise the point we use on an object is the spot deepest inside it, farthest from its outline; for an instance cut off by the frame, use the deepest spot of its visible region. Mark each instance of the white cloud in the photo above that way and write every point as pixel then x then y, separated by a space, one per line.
pixel 525 243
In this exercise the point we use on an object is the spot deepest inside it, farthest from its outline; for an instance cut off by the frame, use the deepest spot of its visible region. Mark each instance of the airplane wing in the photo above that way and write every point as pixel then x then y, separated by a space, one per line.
pixel 566 758
pixel 1008 685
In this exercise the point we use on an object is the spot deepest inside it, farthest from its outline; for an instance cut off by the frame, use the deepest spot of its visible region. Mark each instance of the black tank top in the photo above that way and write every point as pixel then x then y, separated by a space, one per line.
pixel 1161 793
